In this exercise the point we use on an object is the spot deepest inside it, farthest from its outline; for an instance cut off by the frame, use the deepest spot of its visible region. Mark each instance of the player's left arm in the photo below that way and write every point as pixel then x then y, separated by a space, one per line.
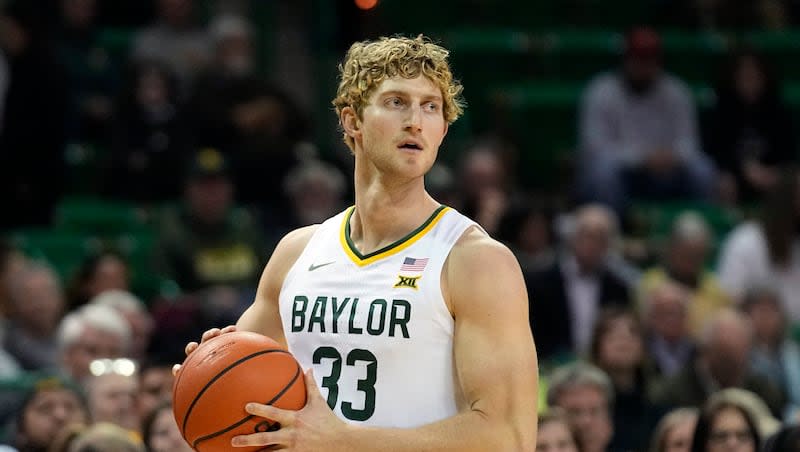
pixel 495 361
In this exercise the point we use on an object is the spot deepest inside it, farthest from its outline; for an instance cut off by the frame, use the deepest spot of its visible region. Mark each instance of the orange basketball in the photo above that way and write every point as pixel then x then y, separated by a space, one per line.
pixel 221 376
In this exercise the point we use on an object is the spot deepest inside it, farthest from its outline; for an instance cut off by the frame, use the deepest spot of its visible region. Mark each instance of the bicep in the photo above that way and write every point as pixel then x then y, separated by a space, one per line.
pixel 263 316
pixel 494 349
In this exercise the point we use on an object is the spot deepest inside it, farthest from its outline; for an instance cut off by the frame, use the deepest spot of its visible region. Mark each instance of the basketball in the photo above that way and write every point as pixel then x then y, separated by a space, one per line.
pixel 225 373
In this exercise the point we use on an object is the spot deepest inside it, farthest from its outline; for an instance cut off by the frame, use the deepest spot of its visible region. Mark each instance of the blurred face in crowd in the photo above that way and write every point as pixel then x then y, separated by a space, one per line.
pixel 78 13
pixel 39 302
pixel 620 347
pixel 176 13
pixel 592 239
pixel 666 315
pixel 165 435
pixel 47 413
pixel 727 352
pixel 111 272
pixel 235 52
pixel 155 386
pixel 587 408
pixel 92 344
pixel 679 437
pixel 730 433
pixel 534 234
pixel 210 198
pixel 14 38
pixel 112 398
pixel 555 436
pixel 482 170
pixel 151 89
pixel 641 71
pixel 767 320
pixel 687 258
pixel 749 79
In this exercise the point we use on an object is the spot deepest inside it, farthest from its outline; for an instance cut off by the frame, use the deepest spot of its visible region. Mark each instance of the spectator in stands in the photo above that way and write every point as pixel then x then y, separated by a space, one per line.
pixel 135 313
pixel 722 361
pixel 486 182
pixel 586 395
pixel 664 308
pixel 617 348
pixel 208 242
pixel 685 259
pixel 674 431
pixel 97 273
pixel 51 404
pixel 527 229
pixel 91 332
pixel 639 133
pixel 725 425
pixel 256 124
pixel 155 384
pixel 555 433
pixel 32 135
pixel 765 251
pixel 12 262
pixel 774 354
pixel 161 433
pixel 92 73
pixel 111 392
pixel 750 129
pixel 106 437
pixel 38 304
pixel 567 296
pixel 150 137
pixel 316 191
pixel 766 424
pixel 175 40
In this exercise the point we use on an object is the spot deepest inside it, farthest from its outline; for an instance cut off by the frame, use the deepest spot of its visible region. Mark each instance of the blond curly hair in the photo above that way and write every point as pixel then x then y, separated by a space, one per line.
pixel 368 63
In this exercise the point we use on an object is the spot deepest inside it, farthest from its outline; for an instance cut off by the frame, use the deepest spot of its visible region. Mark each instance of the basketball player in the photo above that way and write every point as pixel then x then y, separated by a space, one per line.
pixel 412 322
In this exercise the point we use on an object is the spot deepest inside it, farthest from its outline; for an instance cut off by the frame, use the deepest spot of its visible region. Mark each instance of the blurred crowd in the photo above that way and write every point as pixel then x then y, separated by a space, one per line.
pixel 688 342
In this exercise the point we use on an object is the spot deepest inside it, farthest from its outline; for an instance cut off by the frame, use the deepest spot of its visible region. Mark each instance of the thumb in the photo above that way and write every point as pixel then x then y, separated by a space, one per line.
pixel 312 390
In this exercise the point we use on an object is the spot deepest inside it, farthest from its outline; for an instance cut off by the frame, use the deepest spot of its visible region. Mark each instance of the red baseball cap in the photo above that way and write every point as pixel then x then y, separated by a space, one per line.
pixel 643 42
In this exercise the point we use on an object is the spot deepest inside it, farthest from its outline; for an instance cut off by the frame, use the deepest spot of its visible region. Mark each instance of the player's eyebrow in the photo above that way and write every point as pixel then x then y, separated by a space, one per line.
pixel 401 93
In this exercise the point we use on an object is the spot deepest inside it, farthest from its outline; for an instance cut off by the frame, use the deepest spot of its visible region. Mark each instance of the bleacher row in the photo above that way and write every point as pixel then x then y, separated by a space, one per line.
pixel 84 226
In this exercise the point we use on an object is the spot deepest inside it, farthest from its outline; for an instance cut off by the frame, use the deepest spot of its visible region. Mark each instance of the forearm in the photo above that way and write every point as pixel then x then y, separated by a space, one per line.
pixel 467 431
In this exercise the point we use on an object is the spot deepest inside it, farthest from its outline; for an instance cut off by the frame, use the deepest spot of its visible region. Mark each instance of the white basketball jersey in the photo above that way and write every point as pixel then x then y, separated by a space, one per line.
pixel 375 327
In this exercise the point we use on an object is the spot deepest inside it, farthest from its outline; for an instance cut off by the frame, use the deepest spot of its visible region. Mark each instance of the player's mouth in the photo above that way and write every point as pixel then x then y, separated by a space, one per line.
pixel 410 145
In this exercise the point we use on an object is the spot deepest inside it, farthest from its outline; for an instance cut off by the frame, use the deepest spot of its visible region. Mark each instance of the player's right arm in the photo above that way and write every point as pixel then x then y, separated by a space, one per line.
pixel 263 315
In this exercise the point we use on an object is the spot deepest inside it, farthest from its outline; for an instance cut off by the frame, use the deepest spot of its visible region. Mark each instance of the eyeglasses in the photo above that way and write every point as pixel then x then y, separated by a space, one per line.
pixel 722 436
pixel 120 366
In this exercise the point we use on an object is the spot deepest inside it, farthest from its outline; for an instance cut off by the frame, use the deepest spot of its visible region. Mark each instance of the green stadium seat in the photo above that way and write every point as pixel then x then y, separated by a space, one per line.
pixel 63 250
pixel 99 216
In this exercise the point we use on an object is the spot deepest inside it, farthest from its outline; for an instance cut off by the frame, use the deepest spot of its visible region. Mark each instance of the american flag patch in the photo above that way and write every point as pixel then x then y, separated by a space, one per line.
pixel 413 265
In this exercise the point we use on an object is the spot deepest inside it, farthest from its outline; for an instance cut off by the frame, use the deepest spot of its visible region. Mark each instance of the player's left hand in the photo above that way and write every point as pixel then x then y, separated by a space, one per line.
pixel 312 428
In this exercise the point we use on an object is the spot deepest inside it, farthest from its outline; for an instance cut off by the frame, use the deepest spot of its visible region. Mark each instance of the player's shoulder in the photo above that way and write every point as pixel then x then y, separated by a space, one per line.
pixel 475 251
pixel 296 240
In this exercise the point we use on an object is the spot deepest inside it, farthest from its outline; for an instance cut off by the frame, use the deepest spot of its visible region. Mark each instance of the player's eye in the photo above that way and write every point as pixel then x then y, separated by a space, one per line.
pixel 432 107
pixel 394 102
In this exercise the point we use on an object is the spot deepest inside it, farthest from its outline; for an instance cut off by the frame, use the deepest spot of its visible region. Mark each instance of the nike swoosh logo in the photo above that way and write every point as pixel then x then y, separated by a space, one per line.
pixel 313 267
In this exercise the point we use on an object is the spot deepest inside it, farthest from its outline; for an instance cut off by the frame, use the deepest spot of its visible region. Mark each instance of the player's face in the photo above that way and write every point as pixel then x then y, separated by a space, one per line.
pixel 402 127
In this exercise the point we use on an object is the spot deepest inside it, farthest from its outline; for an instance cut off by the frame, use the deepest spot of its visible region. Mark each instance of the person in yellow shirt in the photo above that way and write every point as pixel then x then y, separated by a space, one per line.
pixel 684 262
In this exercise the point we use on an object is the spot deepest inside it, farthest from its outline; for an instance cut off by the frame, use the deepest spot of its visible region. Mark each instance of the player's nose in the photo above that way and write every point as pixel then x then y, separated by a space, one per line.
pixel 414 119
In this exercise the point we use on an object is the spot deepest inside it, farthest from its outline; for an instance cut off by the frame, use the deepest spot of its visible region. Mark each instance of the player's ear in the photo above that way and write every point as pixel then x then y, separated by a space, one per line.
pixel 350 122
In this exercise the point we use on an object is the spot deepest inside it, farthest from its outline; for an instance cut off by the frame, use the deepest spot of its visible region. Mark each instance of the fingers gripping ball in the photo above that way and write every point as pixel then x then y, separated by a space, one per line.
pixel 221 376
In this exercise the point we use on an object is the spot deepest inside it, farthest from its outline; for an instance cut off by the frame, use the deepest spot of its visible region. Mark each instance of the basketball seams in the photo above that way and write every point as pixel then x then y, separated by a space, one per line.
pixel 218 376
pixel 277 397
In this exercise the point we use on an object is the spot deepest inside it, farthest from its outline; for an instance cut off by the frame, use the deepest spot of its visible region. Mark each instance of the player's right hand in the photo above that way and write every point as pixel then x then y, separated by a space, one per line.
pixel 208 334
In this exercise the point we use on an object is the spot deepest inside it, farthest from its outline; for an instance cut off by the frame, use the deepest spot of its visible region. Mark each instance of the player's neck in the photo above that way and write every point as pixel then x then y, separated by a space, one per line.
pixel 386 211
